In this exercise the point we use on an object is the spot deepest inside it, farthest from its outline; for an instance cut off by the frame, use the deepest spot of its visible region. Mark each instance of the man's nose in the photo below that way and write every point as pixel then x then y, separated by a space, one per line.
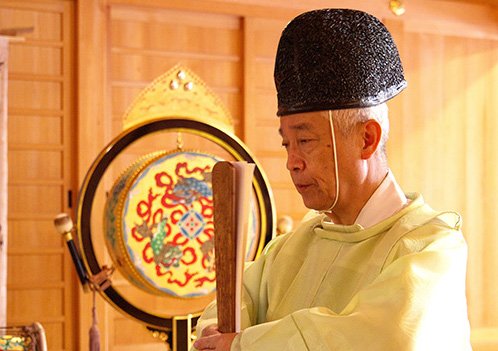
pixel 294 161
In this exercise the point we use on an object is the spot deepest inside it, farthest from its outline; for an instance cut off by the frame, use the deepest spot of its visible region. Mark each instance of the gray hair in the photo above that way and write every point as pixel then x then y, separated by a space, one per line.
pixel 347 119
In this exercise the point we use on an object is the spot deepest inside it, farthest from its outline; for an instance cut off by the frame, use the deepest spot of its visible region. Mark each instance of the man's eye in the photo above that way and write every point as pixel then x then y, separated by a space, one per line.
pixel 285 145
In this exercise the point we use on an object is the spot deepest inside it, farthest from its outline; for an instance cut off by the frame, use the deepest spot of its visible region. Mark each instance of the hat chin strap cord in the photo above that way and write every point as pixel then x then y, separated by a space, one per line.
pixel 336 169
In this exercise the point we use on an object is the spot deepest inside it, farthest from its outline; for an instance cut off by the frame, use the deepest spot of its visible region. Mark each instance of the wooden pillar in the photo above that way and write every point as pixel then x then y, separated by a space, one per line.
pixel 93 127
pixel 4 53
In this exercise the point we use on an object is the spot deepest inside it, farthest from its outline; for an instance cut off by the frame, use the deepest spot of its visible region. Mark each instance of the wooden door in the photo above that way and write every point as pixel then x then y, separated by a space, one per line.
pixel 40 285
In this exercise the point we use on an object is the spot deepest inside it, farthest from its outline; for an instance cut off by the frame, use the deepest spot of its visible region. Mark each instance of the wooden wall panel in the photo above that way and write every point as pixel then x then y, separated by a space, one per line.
pixel 442 145
pixel 163 38
pixel 46 95
pixel 43 16
pixel 24 235
pixel 37 204
pixel 27 270
pixel 46 130
pixel 33 302
pixel 37 60
pixel 40 284
pixel 35 164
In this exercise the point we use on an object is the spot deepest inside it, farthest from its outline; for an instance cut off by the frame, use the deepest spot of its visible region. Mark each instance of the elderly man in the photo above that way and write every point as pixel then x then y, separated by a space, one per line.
pixel 369 268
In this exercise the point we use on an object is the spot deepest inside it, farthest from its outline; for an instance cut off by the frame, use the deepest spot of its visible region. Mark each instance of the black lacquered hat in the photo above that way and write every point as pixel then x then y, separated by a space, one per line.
pixel 333 59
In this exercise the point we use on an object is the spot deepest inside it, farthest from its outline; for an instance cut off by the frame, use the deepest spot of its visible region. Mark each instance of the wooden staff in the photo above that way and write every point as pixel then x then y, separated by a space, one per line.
pixel 231 193
pixel 225 228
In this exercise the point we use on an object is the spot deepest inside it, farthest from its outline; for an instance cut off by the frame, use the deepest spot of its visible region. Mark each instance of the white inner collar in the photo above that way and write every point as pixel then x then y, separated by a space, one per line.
pixel 387 200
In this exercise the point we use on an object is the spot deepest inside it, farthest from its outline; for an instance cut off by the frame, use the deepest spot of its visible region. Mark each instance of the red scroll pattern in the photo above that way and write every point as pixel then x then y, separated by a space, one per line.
pixel 169 216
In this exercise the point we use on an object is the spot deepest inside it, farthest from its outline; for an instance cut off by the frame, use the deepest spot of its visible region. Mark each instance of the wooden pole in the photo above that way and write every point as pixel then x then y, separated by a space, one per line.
pixel 225 241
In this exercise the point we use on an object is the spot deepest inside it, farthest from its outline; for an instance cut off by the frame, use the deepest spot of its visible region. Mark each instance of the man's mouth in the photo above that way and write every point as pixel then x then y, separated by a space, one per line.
pixel 302 187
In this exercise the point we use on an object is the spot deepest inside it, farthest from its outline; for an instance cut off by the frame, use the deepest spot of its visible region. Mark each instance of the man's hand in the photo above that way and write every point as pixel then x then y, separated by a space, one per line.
pixel 213 339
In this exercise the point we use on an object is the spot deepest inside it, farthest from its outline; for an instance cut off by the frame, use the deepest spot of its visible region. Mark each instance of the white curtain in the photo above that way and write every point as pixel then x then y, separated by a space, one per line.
pixel 4 50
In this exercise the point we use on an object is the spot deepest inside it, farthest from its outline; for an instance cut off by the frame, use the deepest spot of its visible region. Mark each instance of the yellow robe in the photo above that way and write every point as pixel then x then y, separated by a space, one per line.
pixel 399 285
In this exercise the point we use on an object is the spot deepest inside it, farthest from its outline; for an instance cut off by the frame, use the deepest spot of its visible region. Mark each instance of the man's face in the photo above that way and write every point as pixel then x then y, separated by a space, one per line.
pixel 310 159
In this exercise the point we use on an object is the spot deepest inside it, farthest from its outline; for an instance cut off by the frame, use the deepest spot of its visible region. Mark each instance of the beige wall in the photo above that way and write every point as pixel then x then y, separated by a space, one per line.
pixel 442 140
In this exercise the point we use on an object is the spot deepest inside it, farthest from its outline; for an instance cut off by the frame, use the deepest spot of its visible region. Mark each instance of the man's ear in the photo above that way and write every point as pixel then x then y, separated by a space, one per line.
pixel 371 133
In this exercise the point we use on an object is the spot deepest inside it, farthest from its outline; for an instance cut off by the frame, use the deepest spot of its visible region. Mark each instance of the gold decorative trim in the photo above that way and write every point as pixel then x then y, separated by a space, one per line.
pixel 177 93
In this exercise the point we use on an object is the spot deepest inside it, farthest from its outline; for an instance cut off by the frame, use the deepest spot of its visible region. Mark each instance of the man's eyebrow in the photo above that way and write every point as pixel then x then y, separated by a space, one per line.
pixel 300 126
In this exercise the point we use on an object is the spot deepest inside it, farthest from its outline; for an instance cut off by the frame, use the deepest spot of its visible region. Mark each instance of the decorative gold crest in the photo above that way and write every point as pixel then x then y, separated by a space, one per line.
pixel 177 93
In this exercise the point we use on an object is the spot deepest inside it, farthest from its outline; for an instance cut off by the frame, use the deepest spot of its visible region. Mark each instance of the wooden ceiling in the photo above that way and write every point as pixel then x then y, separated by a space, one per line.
pixel 493 3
